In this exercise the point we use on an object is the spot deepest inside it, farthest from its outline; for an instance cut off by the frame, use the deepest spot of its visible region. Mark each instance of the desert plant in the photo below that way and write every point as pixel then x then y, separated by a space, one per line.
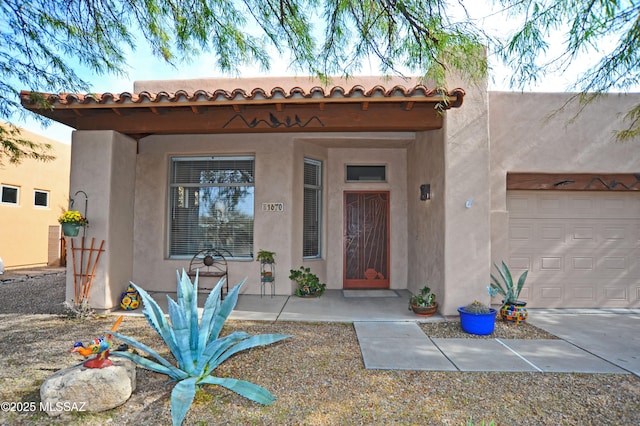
pixel 308 283
pixel 505 286
pixel 423 299
pixel 265 256
pixel 477 308
pixel 196 346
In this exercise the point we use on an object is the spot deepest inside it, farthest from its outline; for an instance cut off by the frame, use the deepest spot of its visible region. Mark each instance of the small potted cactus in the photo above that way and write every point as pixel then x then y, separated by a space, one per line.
pixel 477 318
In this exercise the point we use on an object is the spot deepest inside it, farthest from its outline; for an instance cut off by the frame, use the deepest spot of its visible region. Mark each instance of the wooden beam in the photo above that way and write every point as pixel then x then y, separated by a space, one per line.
pixel 574 181
pixel 262 119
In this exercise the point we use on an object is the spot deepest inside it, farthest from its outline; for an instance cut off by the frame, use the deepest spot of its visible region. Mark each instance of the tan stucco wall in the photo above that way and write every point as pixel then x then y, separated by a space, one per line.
pixel 426 239
pixel 467 224
pixel 278 171
pixel 103 165
pixel 25 228
pixel 525 137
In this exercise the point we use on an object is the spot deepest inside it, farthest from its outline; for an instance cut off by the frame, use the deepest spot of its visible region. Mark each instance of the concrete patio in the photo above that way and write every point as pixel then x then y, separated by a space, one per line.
pixel 590 341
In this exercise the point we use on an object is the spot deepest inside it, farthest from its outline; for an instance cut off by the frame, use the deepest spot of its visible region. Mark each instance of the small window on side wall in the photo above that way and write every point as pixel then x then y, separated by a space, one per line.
pixel 366 173
pixel 10 194
pixel 41 198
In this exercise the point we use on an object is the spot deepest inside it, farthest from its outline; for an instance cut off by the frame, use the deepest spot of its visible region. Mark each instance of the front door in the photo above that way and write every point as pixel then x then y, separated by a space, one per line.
pixel 366 239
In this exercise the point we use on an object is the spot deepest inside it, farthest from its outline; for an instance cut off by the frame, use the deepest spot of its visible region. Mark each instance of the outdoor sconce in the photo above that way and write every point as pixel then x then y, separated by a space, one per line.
pixel 425 192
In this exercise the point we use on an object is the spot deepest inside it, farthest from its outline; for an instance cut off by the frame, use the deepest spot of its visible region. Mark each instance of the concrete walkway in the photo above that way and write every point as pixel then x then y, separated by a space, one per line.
pixel 403 346
pixel 591 341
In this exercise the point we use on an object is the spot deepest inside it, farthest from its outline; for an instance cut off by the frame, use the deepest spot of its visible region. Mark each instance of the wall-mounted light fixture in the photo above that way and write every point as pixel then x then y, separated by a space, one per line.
pixel 425 192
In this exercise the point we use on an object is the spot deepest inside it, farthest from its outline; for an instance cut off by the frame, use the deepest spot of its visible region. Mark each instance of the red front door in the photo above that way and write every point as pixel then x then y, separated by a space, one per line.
pixel 366 239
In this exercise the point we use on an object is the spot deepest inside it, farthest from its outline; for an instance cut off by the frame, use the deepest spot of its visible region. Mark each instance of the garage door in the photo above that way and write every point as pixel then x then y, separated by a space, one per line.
pixel 582 248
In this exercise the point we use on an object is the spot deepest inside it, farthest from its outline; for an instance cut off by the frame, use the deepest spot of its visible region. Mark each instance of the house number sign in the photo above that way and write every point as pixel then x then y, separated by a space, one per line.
pixel 272 207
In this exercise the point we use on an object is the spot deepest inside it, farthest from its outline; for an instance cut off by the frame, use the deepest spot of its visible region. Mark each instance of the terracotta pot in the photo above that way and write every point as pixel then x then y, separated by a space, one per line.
pixel 425 311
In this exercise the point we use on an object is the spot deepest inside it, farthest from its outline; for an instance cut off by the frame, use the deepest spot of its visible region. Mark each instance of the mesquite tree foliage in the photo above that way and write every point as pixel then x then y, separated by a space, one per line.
pixel 49 45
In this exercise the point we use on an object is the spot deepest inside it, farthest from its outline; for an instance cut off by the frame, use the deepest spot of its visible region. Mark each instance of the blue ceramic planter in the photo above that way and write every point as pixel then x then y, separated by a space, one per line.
pixel 481 324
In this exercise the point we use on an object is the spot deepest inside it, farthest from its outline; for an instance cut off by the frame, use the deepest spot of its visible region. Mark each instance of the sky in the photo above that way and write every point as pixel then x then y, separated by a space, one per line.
pixel 144 66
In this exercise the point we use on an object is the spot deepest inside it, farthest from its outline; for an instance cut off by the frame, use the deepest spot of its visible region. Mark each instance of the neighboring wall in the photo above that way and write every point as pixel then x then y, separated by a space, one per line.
pixel 29 234
pixel 525 137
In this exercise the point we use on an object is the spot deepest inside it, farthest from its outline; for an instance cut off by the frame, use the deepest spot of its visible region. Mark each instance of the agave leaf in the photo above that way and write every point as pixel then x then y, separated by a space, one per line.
pixel 251 342
pixel 142 347
pixel 521 281
pixel 182 333
pixel 171 371
pixel 248 390
pixel 224 311
pixel 182 397
pixel 192 315
pixel 507 274
pixel 497 285
pixel 214 349
pixel 156 317
pixel 211 305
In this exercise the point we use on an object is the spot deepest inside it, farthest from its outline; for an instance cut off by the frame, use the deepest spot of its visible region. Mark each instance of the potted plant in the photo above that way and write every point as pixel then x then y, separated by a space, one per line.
pixel 423 303
pixel 512 310
pixel 71 221
pixel 265 256
pixel 308 283
pixel 477 318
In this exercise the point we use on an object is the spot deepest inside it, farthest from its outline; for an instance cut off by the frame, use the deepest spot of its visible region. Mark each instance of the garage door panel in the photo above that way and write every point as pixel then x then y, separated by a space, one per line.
pixel 582 249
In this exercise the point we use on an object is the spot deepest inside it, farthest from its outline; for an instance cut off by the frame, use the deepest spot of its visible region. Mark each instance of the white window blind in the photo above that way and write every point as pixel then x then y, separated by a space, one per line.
pixel 211 205
pixel 312 221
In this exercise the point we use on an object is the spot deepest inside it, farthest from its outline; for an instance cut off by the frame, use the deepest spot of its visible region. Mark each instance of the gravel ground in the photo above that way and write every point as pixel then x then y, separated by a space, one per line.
pixel 317 377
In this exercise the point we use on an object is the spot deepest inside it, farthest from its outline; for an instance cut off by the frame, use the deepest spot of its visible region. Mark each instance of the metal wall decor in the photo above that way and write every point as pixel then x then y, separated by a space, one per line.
pixel 275 122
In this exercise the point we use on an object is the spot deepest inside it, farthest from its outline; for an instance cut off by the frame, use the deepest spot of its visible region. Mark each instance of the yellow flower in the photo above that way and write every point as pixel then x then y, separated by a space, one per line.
pixel 73 216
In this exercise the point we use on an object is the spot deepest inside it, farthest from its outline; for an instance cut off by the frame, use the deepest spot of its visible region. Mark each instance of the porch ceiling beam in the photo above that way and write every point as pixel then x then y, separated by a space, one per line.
pixel 256 119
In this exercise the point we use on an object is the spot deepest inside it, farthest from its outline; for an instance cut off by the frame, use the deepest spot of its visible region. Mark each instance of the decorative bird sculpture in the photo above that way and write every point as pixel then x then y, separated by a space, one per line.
pixel 99 347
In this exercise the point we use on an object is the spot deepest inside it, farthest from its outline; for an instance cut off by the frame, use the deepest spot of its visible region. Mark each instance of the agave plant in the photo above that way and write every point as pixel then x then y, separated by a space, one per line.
pixel 506 288
pixel 196 346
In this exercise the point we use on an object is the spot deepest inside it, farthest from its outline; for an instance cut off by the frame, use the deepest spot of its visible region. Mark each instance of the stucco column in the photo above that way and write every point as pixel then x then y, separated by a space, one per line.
pixel 103 166
pixel 467 202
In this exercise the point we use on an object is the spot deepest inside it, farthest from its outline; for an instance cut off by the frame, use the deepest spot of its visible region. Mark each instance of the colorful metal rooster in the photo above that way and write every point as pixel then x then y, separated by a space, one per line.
pixel 99 347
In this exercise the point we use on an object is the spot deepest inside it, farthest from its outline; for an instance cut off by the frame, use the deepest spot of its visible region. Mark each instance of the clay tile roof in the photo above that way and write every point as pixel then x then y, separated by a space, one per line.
pixel 356 92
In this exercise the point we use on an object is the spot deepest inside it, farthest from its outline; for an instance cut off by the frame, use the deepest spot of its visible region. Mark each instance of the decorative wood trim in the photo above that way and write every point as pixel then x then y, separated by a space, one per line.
pixel 574 181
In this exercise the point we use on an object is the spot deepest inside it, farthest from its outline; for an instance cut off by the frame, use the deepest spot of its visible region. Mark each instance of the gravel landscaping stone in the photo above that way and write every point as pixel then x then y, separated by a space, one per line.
pixel 317 376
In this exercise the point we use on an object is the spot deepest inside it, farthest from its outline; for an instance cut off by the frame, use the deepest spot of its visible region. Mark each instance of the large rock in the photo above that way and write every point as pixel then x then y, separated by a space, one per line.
pixel 89 389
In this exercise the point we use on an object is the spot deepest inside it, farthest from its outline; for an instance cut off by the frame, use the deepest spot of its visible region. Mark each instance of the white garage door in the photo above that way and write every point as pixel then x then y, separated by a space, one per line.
pixel 582 249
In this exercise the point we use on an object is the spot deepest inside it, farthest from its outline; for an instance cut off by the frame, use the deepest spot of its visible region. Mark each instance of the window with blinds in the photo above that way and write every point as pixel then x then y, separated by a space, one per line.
pixel 312 221
pixel 211 205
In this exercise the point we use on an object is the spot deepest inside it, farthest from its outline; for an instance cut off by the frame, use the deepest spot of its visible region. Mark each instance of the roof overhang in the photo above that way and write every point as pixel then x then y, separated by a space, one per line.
pixel 238 111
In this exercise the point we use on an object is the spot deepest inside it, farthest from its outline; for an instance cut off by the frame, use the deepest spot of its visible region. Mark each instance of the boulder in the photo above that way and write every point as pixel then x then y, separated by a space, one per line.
pixel 88 389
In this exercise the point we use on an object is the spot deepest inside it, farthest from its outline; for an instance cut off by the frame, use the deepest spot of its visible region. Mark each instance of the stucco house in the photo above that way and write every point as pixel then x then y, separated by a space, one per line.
pixel 371 182
pixel 32 196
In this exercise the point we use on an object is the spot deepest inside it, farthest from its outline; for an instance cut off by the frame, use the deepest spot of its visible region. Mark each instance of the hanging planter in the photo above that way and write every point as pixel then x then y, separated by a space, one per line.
pixel 72 221
pixel 70 229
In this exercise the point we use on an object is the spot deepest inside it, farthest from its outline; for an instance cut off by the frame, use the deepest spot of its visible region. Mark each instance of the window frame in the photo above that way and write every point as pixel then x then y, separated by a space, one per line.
pixel 2 201
pixel 346 173
pixel 41 191
pixel 170 198
pixel 318 189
